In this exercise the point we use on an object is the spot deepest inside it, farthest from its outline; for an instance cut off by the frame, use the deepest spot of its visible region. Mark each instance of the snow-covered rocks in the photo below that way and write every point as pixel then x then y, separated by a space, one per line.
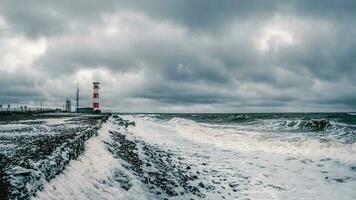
pixel 44 152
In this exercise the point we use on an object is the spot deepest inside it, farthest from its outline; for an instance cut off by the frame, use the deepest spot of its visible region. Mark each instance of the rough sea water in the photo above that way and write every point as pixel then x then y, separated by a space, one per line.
pixel 179 156
pixel 214 156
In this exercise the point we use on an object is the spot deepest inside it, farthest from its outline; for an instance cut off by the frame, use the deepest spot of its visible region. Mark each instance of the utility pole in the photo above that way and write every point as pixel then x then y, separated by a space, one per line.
pixel 35 99
pixel 77 97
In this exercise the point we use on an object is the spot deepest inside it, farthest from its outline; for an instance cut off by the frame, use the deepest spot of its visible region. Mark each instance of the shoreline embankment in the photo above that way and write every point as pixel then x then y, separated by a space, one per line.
pixel 21 179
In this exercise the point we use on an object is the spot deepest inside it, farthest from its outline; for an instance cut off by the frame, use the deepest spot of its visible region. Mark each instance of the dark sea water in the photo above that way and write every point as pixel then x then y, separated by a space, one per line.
pixel 215 156
pixel 339 127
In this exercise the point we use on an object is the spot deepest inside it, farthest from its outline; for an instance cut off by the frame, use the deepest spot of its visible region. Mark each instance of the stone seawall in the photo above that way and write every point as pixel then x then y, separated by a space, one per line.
pixel 23 180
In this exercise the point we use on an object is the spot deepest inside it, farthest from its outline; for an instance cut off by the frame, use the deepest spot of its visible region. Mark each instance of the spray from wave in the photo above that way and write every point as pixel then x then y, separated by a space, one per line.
pixel 234 137
pixel 202 156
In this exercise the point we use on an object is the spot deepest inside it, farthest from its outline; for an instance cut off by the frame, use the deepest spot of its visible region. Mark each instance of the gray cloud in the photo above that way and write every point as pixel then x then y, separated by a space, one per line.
pixel 200 56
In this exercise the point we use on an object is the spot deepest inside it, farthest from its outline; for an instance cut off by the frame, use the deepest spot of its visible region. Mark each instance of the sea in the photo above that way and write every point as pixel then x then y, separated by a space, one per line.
pixel 215 156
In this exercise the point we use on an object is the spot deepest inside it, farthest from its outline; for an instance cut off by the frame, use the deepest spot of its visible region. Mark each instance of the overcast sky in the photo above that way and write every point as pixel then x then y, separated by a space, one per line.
pixel 181 55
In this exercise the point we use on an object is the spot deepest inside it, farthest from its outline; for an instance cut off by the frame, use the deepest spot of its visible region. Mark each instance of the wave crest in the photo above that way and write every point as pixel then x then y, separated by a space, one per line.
pixel 313 125
pixel 246 140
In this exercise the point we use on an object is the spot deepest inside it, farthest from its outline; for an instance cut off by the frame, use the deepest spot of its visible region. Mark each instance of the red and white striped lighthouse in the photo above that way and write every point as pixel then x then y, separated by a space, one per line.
pixel 96 96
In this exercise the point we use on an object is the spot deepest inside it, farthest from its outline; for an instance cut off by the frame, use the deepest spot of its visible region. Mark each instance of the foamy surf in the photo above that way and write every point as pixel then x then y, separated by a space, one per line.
pixel 245 140
pixel 178 158
pixel 92 175
pixel 240 169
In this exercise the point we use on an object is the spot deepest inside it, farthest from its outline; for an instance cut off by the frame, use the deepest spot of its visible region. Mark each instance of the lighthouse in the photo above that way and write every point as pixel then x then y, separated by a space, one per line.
pixel 96 96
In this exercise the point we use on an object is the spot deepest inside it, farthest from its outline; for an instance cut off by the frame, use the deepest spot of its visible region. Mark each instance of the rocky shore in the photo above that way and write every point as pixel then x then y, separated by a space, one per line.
pixel 35 148
pixel 164 174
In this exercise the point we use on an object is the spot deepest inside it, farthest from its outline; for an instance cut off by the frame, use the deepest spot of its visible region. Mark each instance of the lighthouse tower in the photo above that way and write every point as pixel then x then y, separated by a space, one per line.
pixel 96 96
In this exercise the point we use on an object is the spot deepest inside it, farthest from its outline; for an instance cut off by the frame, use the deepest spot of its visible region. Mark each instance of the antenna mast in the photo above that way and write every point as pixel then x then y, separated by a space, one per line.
pixel 77 97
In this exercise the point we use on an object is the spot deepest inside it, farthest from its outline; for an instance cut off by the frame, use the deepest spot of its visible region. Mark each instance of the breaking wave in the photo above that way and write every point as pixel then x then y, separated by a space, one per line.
pixel 314 125
pixel 303 125
pixel 247 140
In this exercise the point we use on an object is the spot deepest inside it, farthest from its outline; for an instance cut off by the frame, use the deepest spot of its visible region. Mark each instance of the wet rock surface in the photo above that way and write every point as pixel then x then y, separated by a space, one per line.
pixel 165 174
pixel 35 149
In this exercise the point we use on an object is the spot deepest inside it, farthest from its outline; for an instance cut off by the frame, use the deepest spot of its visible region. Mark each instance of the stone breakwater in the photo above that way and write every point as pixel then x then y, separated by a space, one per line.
pixel 165 175
pixel 21 180
pixel 118 164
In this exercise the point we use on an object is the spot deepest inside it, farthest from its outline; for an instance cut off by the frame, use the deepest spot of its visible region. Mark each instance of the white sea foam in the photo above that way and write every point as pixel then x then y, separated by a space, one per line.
pixel 256 141
pixel 259 174
pixel 10 127
pixel 237 163
pixel 91 175
pixel 55 121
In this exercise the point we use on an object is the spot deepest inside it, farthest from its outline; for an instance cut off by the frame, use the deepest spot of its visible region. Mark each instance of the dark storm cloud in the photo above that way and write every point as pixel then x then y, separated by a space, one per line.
pixel 200 14
pixel 43 18
pixel 198 54
pixel 15 89
pixel 332 10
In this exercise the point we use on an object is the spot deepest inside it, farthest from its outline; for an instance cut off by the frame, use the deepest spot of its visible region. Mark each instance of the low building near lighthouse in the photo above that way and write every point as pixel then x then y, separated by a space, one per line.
pixel 85 110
